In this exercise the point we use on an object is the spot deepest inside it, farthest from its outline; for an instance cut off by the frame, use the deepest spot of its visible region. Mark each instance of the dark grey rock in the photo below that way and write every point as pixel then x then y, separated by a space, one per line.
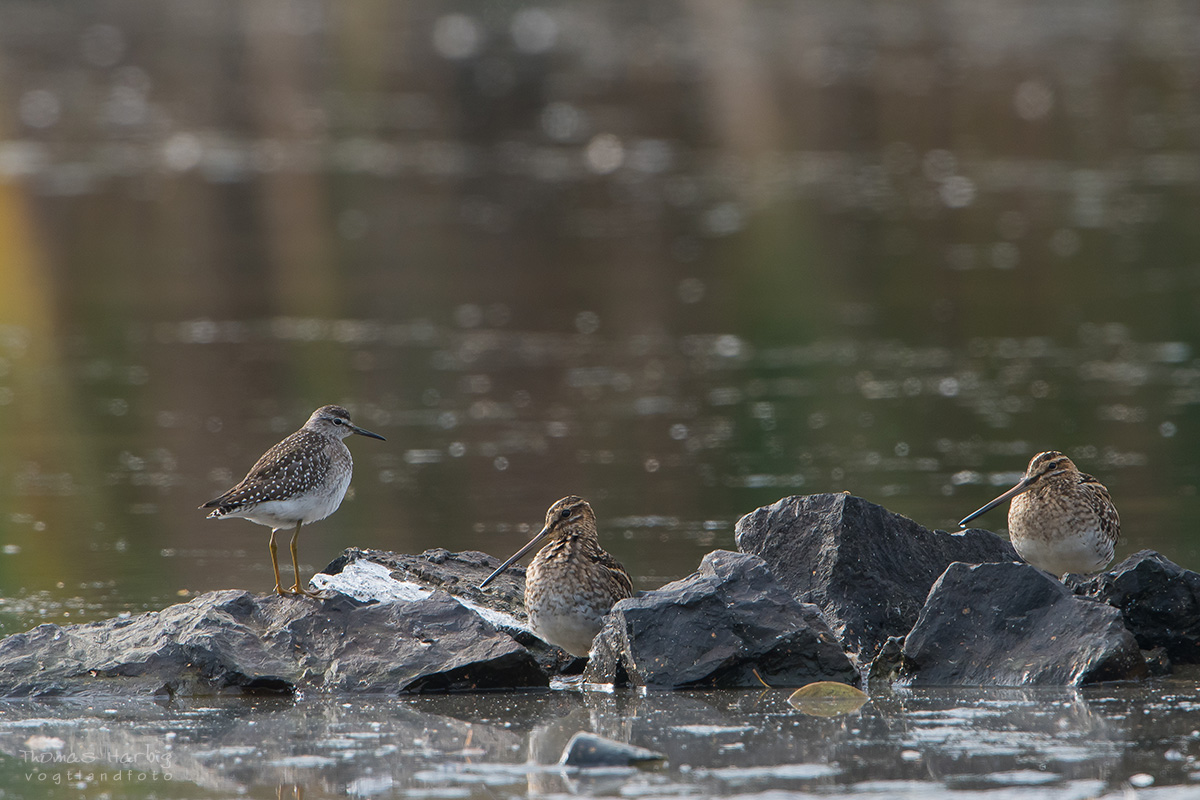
pixel 430 645
pixel 1158 663
pixel 1014 625
pixel 458 574
pixel 868 569
pixel 717 628
pixel 236 641
pixel 1159 602
pixel 589 750
pixel 886 664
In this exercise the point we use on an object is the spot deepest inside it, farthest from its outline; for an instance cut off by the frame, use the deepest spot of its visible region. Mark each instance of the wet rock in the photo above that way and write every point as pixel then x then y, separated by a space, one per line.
pixel 1158 663
pixel 589 750
pixel 382 576
pixel 868 569
pixel 458 574
pixel 236 641
pixel 1014 625
pixel 1159 602
pixel 886 664
pixel 431 645
pixel 717 627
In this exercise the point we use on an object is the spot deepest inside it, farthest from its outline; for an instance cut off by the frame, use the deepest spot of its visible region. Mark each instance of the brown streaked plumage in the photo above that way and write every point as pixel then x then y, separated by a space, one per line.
pixel 300 480
pixel 1060 520
pixel 571 584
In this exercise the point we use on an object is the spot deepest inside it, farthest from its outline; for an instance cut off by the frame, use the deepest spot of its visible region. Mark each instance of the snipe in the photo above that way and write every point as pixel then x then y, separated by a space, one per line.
pixel 572 583
pixel 1060 520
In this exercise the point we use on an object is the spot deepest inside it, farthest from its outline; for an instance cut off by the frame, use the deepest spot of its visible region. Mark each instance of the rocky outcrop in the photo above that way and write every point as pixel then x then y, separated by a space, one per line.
pixel 726 625
pixel 1014 625
pixel 383 576
pixel 236 641
pixel 1158 599
pixel 868 569
pixel 825 580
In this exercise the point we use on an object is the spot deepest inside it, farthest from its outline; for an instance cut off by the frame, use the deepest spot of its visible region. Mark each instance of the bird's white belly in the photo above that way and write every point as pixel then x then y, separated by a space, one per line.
pixel 571 622
pixel 302 509
pixel 1080 553
pixel 571 632
pixel 1071 539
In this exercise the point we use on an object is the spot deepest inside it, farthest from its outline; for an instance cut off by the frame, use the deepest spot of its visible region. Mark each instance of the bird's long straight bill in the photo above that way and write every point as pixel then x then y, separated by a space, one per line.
pixel 365 432
pixel 515 557
pixel 1021 486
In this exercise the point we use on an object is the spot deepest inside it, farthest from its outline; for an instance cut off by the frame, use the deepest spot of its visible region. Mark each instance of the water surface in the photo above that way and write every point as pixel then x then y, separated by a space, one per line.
pixel 1109 742
pixel 682 259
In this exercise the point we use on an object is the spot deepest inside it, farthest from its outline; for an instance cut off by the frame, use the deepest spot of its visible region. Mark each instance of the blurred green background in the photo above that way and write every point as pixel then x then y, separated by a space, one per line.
pixel 680 258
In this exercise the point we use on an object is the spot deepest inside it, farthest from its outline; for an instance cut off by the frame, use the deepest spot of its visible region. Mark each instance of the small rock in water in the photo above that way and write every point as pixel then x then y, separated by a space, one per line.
pixel 589 750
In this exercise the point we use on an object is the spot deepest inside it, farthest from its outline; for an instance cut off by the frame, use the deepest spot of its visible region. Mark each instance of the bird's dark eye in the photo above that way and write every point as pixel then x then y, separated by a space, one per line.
pixel 566 512
pixel 337 421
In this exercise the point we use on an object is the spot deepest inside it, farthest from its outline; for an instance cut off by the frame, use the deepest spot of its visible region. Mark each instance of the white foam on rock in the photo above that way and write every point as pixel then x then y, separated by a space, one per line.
pixel 369 581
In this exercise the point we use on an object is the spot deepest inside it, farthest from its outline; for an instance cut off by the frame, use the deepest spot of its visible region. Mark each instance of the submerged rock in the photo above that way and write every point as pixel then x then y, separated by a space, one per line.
pixel 868 569
pixel 237 641
pixel 589 750
pixel 1014 625
pixel 1158 599
pixel 718 627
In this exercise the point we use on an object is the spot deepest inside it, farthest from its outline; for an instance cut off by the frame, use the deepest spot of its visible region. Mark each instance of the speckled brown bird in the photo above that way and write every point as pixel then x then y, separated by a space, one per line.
pixel 300 480
pixel 571 584
pixel 1061 520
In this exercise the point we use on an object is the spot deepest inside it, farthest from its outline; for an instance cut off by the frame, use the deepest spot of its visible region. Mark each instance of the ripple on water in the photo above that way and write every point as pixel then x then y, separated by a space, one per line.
pixel 369 786
pixel 1021 777
pixel 482 774
pixel 920 790
pixel 304 762
pixel 794 772
pixel 228 751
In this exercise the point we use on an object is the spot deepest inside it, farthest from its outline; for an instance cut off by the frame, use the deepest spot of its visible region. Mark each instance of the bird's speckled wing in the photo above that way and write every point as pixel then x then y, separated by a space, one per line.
pixel 289 468
pixel 622 584
pixel 1101 502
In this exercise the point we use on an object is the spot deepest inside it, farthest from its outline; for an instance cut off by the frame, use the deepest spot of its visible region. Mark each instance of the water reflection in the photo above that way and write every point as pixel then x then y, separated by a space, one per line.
pixel 681 260
pixel 930 743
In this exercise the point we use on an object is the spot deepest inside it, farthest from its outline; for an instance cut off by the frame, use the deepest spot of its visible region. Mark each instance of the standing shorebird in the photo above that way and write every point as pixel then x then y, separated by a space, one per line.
pixel 571 584
pixel 300 480
pixel 1061 520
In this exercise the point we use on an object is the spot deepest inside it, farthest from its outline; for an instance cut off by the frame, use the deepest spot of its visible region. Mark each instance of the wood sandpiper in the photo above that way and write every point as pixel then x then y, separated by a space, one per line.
pixel 300 480
pixel 1060 520
pixel 571 584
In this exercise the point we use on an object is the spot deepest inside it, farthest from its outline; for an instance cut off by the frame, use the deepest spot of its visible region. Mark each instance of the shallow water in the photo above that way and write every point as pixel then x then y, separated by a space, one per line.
pixel 681 259
pixel 1109 742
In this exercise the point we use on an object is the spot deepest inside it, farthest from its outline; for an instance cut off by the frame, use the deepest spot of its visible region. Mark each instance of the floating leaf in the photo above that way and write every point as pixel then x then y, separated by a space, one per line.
pixel 827 699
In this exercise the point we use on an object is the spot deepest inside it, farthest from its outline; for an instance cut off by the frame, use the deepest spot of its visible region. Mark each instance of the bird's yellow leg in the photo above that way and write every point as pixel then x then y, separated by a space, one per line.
pixel 296 589
pixel 275 565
